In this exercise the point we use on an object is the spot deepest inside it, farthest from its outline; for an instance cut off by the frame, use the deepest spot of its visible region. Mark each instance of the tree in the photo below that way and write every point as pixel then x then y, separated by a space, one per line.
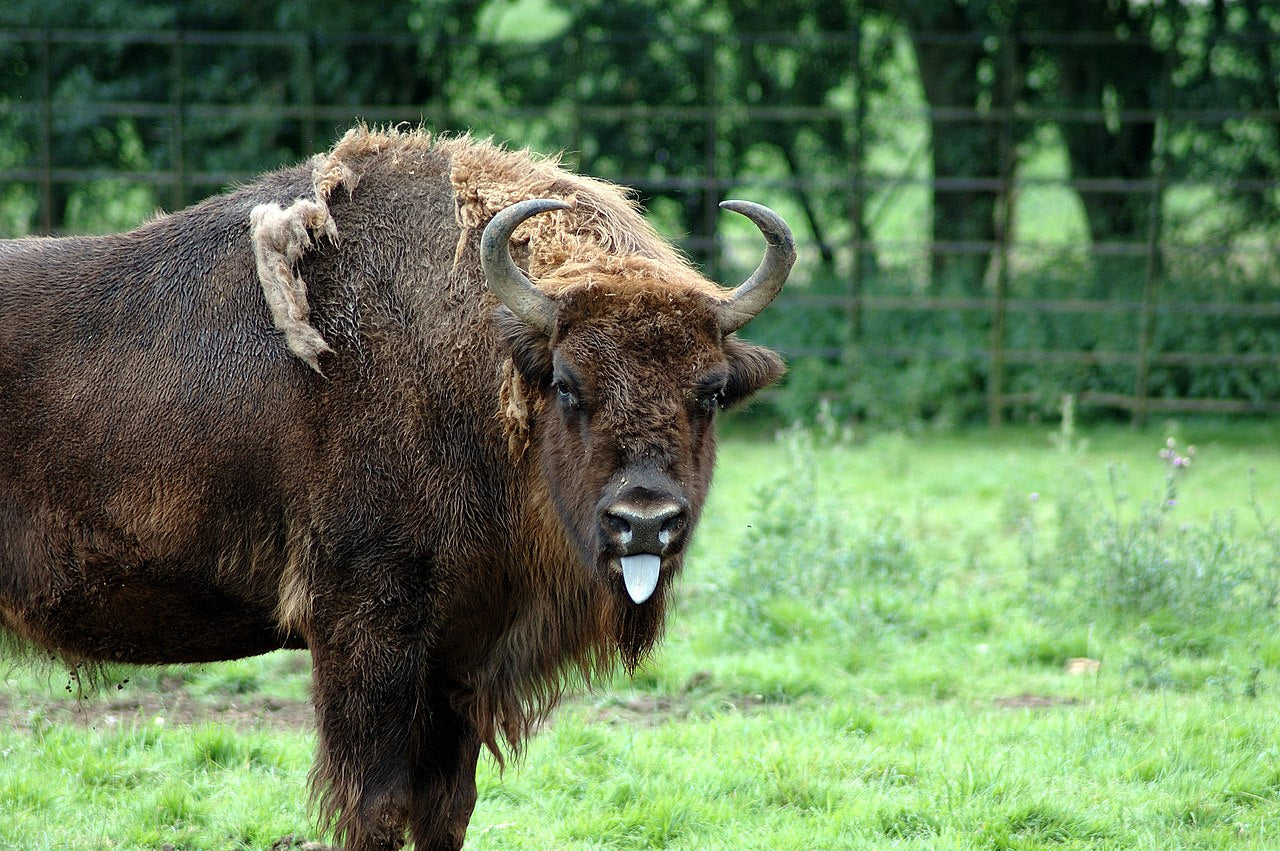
pixel 1229 56
pixel 1106 79
pixel 122 102
pixel 963 81
pixel 1107 69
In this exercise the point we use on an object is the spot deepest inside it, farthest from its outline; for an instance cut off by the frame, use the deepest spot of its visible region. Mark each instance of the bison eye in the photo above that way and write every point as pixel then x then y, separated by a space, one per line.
pixel 565 395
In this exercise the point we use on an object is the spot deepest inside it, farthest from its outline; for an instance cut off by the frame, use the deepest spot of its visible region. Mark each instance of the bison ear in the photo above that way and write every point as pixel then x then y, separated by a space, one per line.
pixel 751 368
pixel 530 349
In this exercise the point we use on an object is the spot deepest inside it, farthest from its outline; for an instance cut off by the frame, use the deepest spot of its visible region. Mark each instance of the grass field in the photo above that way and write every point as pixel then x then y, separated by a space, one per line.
pixel 1025 639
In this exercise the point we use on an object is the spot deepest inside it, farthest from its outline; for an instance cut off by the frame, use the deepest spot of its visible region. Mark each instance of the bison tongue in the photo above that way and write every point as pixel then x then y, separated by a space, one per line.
pixel 640 574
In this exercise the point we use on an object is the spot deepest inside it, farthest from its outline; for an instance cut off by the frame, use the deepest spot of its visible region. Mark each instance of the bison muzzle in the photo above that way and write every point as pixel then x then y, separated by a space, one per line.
pixel 333 410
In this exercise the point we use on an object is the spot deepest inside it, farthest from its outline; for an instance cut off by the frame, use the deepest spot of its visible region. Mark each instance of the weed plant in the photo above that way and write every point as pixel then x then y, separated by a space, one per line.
pixel 812 563
pixel 810 566
pixel 1118 558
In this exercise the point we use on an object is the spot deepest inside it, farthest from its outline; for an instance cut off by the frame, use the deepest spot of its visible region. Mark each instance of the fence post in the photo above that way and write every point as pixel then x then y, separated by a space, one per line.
pixel 306 54
pixel 1152 272
pixel 711 185
pixel 857 198
pixel 177 117
pixel 1004 226
pixel 573 49
pixel 440 61
pixel 46 133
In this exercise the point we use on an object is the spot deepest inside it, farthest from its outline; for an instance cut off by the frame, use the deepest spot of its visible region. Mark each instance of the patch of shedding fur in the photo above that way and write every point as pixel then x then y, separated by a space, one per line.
pixel 513 401
pixel 329 173
pixel 280 237
pixel 352 153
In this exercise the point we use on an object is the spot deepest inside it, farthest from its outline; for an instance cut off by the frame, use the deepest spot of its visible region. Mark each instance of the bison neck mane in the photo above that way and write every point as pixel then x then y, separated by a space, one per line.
pixel 549 625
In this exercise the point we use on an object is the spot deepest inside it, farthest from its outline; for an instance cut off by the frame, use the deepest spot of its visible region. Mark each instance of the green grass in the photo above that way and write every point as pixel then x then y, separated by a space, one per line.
pixel 871 654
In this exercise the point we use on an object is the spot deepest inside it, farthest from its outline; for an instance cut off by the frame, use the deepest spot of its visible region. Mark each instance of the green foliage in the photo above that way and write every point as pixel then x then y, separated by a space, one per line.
pixel 837 114
pixel 1118 560
pixel 910 366
pixel 810 567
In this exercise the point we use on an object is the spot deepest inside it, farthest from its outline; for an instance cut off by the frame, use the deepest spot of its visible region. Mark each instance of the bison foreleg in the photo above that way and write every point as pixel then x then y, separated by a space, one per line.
pixel 444 780
pixel 365 701
pixel 394 754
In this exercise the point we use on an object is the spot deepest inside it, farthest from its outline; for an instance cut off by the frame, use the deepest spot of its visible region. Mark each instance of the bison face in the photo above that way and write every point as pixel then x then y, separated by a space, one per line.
pixel 630 385
pixel 630 363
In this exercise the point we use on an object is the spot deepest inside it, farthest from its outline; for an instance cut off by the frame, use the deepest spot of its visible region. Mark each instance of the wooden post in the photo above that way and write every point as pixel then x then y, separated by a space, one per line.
pixel 857 188
pixel 1004 228
pixel 306 54
pixel 711 139
pixel 576 136
pixel 46 134
pixel 1151 275
pixel 177 119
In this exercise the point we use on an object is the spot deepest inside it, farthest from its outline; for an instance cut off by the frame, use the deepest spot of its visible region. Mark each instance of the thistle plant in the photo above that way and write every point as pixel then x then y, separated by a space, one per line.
pixel 1135 558
pixel 811 564
pixel 1177 465
pixel 1065 439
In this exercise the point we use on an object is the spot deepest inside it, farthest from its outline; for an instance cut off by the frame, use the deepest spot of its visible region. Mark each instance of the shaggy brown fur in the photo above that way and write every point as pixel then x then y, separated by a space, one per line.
pixel 295 416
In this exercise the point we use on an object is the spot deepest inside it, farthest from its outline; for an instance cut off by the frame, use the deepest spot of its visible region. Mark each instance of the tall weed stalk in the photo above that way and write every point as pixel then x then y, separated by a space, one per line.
pixel 1116 557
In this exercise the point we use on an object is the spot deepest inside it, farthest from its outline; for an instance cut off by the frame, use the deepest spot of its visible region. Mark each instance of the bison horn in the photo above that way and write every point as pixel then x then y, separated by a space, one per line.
pixel 504 277
pixel 754 294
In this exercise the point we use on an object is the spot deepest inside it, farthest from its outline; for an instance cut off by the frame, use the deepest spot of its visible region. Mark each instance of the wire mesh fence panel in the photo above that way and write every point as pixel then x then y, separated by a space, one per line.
pixel 987 220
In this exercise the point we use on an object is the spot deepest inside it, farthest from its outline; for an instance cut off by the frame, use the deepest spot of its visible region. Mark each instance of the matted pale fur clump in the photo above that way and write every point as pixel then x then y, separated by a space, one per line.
pixel 603 239
pixel 280 236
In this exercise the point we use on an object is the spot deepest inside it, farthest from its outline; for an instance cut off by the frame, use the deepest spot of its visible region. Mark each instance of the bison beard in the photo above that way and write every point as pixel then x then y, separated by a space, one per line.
pixel 639 628
pixel 332 410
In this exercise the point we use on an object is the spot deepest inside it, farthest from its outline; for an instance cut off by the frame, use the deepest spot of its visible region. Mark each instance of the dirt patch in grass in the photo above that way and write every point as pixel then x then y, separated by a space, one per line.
pixel 172 704
pixel 644 710
pixel 1035 701
pixel 651 710
pixel 168 708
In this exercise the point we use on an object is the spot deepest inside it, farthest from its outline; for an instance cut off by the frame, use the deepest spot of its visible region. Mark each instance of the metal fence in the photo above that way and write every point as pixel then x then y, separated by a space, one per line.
pixel 878 278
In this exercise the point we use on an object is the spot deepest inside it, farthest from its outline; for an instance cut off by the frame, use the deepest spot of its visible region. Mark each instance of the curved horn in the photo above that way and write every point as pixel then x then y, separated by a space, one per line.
pixel 754 294
pixel 501 273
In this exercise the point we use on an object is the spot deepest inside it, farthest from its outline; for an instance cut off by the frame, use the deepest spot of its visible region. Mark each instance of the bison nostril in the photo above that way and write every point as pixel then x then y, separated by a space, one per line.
pixel 618 525
pixel 672 525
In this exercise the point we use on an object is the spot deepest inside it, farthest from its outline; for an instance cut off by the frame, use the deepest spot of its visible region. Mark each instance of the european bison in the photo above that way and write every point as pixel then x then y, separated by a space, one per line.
pixel 330 410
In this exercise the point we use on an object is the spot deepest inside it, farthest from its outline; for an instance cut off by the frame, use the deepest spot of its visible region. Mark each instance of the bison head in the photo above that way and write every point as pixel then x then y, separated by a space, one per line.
pixel 630 360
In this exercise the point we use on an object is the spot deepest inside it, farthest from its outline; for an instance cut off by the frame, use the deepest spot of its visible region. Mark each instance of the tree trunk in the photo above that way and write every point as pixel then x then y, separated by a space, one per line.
pixel 965 149
pixel 1121 152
